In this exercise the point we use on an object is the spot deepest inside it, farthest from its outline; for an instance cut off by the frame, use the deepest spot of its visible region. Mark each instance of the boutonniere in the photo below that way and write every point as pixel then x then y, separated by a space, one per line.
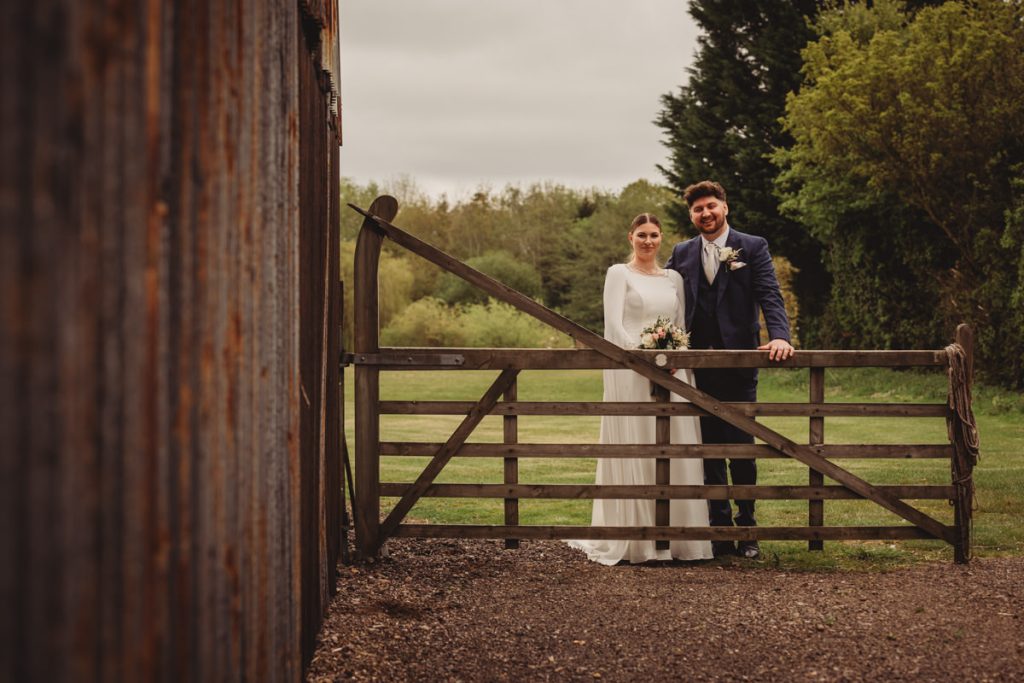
pixel 731 256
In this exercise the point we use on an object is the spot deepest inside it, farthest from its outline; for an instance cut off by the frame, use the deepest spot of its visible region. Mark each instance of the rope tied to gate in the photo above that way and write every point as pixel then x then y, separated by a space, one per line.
pixel 963 434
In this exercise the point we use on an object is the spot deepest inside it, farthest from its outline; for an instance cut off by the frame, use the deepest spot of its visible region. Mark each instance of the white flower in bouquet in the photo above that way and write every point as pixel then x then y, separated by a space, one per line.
pixel 664 334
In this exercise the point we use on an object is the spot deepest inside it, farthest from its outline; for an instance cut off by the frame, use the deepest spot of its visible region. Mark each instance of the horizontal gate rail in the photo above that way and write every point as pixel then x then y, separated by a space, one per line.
pixel 674 491
pixel 588 359
pixel 654 533
pixel 596 450
pixel 669 409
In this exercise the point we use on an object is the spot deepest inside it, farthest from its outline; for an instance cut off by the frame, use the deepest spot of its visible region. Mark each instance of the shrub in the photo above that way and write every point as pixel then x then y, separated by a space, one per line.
pixel 500 325
pixel 427 322
pixel 502 266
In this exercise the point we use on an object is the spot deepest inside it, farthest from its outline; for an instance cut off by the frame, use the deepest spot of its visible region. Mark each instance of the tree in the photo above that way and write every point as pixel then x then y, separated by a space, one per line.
pixel 923 116
pixel 724 124
pixel 575 264
pixel 502 266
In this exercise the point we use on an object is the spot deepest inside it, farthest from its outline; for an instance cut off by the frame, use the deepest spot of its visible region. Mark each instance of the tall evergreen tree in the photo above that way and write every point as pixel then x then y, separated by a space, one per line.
pixel 917 115
pixel 724 123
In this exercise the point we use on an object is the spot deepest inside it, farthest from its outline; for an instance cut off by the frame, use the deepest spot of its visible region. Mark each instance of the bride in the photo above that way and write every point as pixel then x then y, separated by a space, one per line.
pixel 635 295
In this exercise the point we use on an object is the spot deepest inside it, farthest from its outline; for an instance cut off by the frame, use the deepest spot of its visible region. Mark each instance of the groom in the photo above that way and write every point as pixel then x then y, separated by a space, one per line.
pixel 728 277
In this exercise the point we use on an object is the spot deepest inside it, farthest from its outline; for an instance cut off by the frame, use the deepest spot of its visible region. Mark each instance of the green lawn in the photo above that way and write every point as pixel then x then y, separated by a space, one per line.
pixel 999 477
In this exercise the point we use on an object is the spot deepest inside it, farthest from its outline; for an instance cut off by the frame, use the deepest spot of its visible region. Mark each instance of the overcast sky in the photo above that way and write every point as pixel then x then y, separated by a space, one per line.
pixel 461 93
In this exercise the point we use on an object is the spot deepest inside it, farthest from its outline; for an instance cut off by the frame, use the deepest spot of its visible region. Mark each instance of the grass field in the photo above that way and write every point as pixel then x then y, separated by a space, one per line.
pixel 999 477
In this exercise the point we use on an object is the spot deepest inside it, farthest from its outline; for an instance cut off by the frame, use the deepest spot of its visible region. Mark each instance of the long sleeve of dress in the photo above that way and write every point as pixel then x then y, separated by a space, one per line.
pixel 679 317
pixel 614 306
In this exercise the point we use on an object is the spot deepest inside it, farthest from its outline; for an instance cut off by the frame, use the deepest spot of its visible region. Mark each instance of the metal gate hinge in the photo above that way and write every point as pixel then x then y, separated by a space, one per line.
pixel 394 358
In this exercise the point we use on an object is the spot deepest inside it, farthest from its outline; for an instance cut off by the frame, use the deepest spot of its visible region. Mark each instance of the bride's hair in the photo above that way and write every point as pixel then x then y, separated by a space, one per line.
pixel 643 219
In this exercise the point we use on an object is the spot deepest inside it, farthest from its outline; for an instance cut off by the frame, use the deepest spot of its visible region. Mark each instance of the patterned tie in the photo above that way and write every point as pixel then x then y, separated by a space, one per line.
pixel 710 261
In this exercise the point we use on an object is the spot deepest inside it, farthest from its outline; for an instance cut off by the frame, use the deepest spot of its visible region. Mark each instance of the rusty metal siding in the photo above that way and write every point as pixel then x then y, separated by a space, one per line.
pixel 324 14
pixel 152 492
pixel 320 288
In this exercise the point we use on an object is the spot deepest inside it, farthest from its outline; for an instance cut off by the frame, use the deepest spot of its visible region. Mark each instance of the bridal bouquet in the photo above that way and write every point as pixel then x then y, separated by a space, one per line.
pixel 664 334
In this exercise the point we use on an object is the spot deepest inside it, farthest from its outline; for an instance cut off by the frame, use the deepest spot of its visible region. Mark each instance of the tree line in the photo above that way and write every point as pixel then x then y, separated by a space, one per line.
pixel 548 241
pixel 878 146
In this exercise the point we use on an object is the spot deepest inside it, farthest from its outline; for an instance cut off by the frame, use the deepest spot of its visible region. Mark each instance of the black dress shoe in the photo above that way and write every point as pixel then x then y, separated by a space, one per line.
pixel 749 550
pixel 723 548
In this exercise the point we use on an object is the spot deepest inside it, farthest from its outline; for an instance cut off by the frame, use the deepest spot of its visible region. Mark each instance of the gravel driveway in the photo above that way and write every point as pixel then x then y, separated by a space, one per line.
pixel 472 611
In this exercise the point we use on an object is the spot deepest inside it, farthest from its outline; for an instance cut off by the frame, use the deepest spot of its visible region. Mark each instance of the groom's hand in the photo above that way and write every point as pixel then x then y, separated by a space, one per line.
pixel 778 349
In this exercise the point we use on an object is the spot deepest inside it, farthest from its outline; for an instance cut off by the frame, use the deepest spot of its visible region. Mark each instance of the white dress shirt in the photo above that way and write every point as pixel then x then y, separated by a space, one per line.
pixel 710 254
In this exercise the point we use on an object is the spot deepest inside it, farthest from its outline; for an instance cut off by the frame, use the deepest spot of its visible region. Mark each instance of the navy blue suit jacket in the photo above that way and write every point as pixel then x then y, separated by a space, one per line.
pixel 741 291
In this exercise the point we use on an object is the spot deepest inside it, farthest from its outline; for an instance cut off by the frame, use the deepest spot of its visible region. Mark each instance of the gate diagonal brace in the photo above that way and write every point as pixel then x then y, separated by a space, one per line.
pixel 447 451
pixel 658 376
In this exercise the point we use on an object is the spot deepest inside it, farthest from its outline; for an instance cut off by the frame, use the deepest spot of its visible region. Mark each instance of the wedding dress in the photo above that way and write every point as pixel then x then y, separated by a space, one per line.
pixel 632 301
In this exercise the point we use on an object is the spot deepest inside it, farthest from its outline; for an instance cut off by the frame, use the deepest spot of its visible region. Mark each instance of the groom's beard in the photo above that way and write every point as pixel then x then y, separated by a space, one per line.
pixel 713 227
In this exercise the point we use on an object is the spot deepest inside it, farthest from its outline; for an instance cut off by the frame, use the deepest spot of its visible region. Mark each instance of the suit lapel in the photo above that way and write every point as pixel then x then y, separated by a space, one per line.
pixel 693 270
pixel 724 273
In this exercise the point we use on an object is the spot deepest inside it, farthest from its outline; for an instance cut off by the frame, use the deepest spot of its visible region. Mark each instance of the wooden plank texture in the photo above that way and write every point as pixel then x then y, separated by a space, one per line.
pixel 662 471
pixel 651 533
pixel 582 359
pixel 367 381
pixel 445 453
pixel 816 437
pixel 510 432
pixel 660 408
pixel 666 491
pixel 736 451
pixel 169 185
pixel 965 494
pixel 319 336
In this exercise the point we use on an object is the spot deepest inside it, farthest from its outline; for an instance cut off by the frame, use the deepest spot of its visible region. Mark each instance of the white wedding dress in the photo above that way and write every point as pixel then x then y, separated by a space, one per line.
pixel 632 301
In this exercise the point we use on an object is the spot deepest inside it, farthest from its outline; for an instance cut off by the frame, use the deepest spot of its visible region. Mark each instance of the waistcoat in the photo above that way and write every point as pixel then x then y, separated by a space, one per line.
pixel 706 333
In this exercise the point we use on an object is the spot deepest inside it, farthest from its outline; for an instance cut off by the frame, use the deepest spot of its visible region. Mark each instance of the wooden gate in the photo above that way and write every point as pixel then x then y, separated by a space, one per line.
pixel 500 399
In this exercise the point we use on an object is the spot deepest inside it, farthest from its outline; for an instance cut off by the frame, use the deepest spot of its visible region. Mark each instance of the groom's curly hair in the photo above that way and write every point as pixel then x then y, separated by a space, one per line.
pixel 705 188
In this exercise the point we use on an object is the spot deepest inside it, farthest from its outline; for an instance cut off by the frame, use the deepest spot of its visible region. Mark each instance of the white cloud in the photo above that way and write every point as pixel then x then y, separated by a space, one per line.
pixel 457 93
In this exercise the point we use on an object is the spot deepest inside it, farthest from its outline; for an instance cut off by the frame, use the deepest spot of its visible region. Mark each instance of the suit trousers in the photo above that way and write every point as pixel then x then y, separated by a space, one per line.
pixel 727 384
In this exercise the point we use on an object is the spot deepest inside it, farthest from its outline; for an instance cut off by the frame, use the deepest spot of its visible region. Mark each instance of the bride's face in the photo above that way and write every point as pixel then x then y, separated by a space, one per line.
pixel 646 240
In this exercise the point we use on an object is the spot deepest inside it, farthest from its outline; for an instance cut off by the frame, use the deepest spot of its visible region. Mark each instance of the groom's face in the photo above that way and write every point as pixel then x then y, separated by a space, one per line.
pixel 708 216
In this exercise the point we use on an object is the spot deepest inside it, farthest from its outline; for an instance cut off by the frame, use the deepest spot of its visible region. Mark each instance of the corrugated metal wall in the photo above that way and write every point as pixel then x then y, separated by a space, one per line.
pixel 320 307
pixel 168 421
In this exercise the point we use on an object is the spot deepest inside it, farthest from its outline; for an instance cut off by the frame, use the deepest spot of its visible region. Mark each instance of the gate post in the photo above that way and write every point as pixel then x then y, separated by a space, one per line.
pixel 964 492
pixel 662 466
pixel 816 507
pixel 366 341
pixel 511 433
